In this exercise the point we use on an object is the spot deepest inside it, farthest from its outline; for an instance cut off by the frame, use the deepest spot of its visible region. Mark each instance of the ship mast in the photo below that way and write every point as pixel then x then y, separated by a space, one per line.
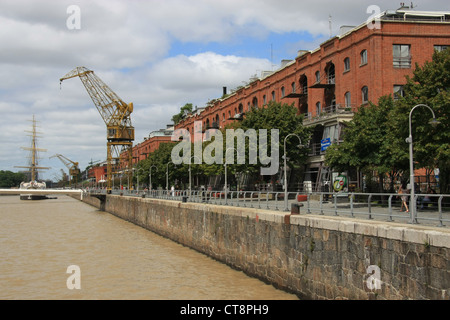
pixel 33 162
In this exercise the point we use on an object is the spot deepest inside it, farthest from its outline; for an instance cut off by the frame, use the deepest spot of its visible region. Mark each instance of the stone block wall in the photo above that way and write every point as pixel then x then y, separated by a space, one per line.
pixel 315 257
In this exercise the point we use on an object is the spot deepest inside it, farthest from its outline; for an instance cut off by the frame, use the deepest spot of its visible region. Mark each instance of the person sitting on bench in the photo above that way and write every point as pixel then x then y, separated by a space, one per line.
pixel 427 199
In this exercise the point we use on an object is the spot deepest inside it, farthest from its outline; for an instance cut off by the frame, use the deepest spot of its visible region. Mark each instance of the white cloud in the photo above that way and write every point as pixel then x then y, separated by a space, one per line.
pixel 127 43
pixel 206 70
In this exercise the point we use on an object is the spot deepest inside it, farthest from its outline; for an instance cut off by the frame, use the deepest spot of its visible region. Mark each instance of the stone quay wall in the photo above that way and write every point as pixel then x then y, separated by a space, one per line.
pixel 313 256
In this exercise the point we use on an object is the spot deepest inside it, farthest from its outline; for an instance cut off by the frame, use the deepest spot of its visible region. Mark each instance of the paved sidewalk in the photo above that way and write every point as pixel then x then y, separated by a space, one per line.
pixel 428 217
pixel 341 206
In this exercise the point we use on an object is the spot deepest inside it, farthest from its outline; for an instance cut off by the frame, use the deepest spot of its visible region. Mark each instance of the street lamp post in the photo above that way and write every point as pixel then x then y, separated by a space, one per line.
pixel 226 182
pixel 167 175
pixel 412 202
pixel 137 178
pixel 190 184
pixel 150 176
pixel 285 170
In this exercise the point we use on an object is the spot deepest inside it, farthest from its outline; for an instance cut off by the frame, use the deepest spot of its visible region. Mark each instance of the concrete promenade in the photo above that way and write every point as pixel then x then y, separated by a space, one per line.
pixel 378 207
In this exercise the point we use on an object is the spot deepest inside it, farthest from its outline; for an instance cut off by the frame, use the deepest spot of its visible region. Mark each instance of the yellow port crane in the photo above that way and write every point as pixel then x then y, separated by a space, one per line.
pixel 74 170
pixel 117 116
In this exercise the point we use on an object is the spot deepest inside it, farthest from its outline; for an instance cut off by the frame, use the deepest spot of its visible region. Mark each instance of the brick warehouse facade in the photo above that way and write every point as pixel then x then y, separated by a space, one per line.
pixel 151 144
pixel 327 85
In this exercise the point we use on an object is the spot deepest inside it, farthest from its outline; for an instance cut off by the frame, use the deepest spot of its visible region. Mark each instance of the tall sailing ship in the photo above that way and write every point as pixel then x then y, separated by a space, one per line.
pixel 33 167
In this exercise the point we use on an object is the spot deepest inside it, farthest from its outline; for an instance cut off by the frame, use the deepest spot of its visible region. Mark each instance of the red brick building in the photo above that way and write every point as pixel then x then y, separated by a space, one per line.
pixel 328 84
pixel 150 144
pixel 97 173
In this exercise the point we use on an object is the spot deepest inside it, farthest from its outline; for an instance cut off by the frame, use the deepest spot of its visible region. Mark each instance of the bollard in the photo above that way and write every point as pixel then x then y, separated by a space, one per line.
pixel 295 208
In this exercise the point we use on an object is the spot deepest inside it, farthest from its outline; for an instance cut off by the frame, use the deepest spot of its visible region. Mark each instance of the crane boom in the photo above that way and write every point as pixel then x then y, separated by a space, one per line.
pixel 74 170
pixel 115 113
pixel 64 160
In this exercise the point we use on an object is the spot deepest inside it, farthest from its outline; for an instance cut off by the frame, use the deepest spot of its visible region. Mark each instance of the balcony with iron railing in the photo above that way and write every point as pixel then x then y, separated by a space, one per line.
pixel 295 94
pixel 415 16
pixel 402 62
pixel 330 82
pixel 330 112
pixel 316 149
pixel 331 79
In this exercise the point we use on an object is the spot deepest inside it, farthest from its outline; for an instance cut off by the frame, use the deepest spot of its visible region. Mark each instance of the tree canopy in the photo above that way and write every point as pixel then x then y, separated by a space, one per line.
pixel 9 179
pixel 286 120
pixel 188 107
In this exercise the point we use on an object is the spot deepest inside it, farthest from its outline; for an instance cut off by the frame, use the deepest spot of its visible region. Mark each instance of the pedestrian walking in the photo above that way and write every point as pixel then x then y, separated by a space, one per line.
pixel 402 191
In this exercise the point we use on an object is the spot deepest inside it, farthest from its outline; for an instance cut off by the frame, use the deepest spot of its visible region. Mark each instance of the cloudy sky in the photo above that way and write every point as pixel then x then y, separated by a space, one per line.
pixel 158 54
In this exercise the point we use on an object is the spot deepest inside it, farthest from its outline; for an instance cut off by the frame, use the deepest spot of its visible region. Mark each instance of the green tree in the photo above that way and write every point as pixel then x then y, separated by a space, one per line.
pixel 366 146
pixel 286 119
pixel 188 107
pixel 9 179
pixel 160 160
pixel 429 85
pixel 375 139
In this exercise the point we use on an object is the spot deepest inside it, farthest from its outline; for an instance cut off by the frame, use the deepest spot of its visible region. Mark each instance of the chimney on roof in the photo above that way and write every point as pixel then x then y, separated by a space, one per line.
pixel 224 90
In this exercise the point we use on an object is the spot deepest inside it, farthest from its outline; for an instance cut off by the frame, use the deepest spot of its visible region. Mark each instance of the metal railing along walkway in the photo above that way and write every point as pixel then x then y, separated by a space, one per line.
pixel 431 209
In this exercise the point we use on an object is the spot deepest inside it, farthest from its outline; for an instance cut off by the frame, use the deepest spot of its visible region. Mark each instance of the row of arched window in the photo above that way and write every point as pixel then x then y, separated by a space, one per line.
pixel 363 56
pixel 214 122
pixel 348 99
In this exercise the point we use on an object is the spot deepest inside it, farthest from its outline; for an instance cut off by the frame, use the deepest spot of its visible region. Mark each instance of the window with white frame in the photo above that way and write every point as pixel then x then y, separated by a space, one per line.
pixel 348 100
pixel 363 57
pixel 331 132
pixel 317 76
pixel 402 56
pixel 255 102
pixel 440 48
pixel 398 92
pixel 365 94
pixel 346 64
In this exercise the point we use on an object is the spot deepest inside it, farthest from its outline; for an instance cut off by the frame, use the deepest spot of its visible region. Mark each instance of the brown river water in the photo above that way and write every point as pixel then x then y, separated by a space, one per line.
pixel 40 239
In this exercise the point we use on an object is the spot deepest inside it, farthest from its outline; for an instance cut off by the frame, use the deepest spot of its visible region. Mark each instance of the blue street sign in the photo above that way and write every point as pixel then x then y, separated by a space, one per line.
pixel 324 144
